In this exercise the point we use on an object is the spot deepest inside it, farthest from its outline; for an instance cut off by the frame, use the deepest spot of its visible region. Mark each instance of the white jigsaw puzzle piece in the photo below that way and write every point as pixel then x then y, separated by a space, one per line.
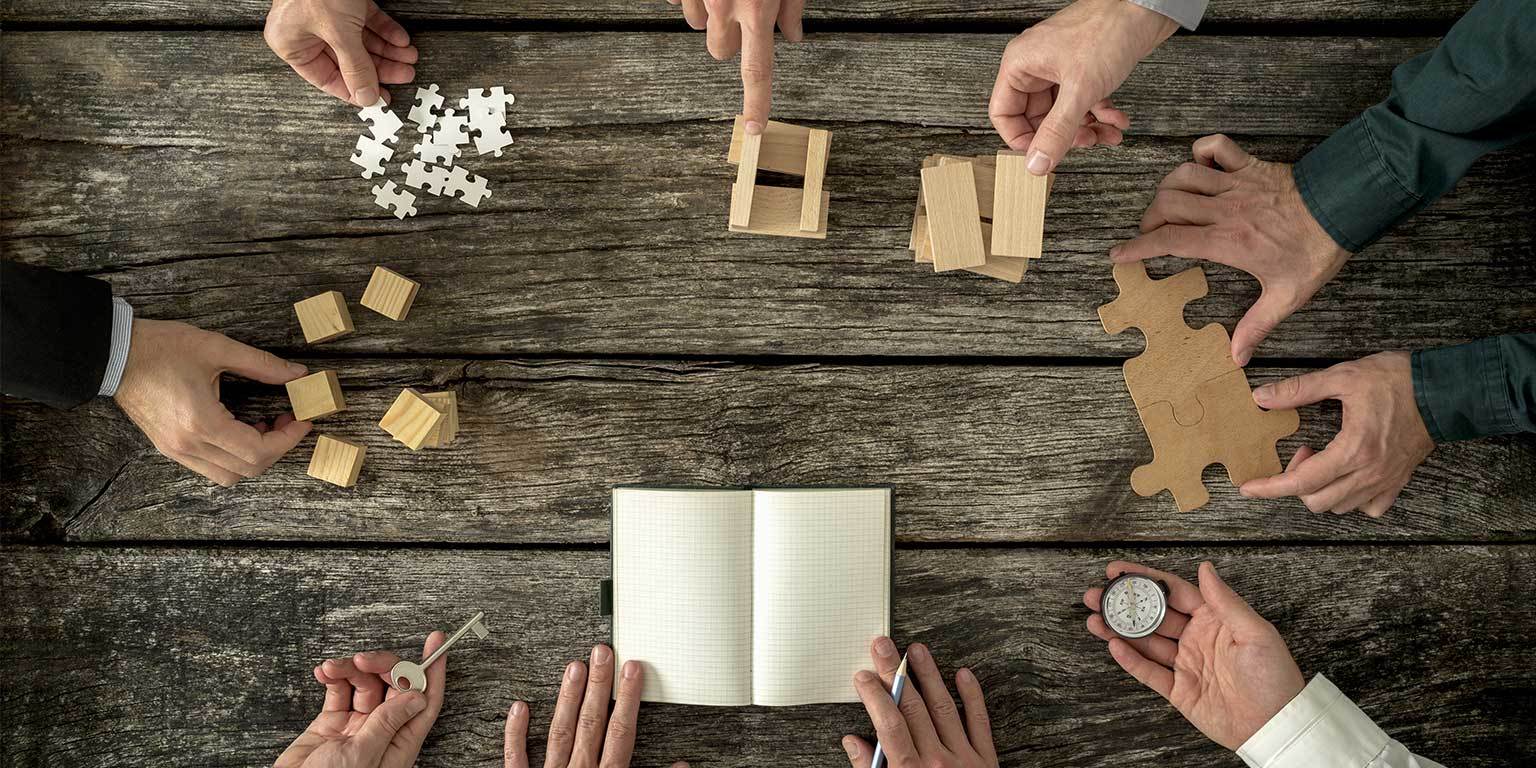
pixel 425 177
pixel 492 141
pixel 391 196
pixel 487 101
pixel 371 156
pixel 424 113
pixel 452 129
pixel 382 122
pixel 469 188
pixel 430 152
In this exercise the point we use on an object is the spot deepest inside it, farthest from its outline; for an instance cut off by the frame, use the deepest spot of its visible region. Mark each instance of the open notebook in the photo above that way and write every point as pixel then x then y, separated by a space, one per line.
pixel 741 597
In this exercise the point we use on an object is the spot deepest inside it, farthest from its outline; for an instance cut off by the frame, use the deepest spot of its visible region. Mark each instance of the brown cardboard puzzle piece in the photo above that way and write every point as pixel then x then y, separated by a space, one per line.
pixel 785 211
pixel 1176 356
pixel 1233 432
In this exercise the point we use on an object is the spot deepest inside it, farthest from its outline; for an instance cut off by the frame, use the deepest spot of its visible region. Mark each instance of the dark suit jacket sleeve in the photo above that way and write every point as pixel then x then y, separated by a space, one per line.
pixel 55 334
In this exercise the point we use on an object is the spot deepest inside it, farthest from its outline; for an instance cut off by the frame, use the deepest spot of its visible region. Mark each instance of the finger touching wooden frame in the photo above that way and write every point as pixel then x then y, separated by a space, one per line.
pixel 784 211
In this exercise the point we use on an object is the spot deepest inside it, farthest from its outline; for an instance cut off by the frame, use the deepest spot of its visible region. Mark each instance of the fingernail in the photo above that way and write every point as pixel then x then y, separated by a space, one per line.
pixel 368 96
pixel 851 747
pixel 864 676
pixel 297 370
pixel 1242 358
pixel 601 654
pixel 1039 164
pixel 754 127
pixel 518 708
pixel 885 648
pixel 1264 393
pixel 917 652
pixel 1114 253
pixel 572 671
pixel 415 702
pixel 1244 493
pixel 966 675
pixel 631 670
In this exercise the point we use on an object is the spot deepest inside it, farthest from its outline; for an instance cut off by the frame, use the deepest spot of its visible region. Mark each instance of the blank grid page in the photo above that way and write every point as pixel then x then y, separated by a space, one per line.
pixel 682 592
pixel 822 591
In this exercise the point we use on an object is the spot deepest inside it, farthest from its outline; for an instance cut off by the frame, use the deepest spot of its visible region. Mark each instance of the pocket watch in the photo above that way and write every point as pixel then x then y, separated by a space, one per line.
pixel 1134 605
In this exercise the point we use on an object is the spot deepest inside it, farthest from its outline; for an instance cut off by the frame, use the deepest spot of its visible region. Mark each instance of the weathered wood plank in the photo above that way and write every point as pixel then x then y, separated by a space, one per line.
pixel 216 88
pixel 599 12
pixel 613 240
pixel 976 453
pixel 202 657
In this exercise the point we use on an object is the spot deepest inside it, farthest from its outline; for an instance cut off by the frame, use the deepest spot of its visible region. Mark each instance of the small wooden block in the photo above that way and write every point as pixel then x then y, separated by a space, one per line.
pixel 985 174
pixel 776 211
pixel 1001 267
pixel 324 317
pixel 815 172
pixel 337 461
pixel 390 293
pixel 746 182
pixel 954 222
pixel 447 429
pixel 783 146
pixel 316 395
pixel 411 419
pixel 1018 207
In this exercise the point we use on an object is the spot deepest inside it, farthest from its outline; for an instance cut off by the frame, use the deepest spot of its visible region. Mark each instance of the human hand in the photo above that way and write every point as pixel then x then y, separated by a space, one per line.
pixel 926 728
pixel 747 26
pixel 582 733
pixel 365 722
pixel 1220 664
pixel 170 389
pixel 1235 209
pixel 1382 438
pixel 343 47
pixel 1053 86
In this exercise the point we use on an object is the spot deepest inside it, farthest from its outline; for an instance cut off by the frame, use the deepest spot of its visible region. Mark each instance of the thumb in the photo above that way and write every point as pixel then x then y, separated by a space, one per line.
pixel 384 722
pixel 254 364
pixel 1228 605
pixel 1257 323
pixel 356 66
pixel 1054 136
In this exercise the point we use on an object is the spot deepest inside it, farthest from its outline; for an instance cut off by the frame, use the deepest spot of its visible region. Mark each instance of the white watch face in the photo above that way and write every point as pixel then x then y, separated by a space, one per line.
pixel 1133 605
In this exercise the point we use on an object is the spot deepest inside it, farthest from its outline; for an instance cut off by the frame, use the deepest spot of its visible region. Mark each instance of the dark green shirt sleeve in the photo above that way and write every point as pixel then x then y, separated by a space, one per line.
pixel 1486 387
pixel 1472 94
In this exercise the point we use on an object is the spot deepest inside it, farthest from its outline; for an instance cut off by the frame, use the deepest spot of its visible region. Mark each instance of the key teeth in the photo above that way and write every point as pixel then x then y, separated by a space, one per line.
pixel 480 630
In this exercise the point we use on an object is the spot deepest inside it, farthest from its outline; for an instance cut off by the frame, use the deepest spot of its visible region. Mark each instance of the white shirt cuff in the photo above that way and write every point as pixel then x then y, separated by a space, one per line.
pixel 1320 728
pixel 1186 12
pixel 122 335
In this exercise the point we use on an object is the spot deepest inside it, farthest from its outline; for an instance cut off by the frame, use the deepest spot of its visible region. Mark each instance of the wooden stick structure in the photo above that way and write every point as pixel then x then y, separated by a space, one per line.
pixel 771 210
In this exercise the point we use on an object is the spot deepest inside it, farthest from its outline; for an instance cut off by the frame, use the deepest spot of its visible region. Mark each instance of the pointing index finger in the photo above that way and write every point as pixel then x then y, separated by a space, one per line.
pixel 756 72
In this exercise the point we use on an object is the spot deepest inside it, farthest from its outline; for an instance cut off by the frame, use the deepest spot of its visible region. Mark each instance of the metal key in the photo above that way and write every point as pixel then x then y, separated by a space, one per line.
pixel 410 676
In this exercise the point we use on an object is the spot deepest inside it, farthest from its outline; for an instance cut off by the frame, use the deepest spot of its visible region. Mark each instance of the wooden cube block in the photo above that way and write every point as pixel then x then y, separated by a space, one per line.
pixel 316 395
pixel 337 461
pixel 390 293
pixel 411 419
pixel 447 429
pixel 324 317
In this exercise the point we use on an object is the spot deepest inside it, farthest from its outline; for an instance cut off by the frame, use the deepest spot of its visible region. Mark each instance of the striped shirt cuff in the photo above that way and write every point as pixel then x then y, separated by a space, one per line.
pixel 117 360
pixel 1186 12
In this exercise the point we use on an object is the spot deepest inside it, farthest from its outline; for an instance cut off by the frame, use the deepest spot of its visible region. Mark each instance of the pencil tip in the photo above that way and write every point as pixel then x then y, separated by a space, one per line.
pixel 902 670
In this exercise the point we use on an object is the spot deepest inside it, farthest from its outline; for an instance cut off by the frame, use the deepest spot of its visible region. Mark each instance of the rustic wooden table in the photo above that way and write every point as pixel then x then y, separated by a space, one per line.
pixel 602 327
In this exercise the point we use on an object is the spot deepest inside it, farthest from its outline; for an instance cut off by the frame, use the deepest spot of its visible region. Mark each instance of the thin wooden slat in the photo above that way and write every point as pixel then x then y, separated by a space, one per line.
pixel 782 146
pixel 954 224
pixel 817 146
pixel 777 212
pixel 1002 453
pixel 196 657
pixel 1019 211
pixel 1013 13
pixel 746 182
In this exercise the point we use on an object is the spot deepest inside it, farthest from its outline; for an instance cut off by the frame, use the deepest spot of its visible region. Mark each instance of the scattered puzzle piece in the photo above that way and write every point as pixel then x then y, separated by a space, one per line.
pixel 337 461
pixel 487 101
pixel 424 112
pixel 323 317
pixel 391 196
pixel 452 129
pixel 390 293
pixel 315 395
pixel 442 154
pixel 492 141
pixel 411 419
pixel 425 177
pixel 469 188
pixel 371 156
pixel 383 123
pixel 1233 432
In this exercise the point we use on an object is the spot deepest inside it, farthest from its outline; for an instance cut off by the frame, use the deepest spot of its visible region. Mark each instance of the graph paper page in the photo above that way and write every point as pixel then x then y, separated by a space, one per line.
pixel 682 592
pixel 822 591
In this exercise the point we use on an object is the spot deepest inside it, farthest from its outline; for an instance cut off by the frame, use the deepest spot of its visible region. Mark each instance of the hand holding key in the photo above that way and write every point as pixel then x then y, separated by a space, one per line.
pixel 365 722
pixel 410 676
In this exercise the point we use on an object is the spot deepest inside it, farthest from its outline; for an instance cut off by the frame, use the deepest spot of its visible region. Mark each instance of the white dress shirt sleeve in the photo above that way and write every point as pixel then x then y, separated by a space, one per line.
pixel 1322 728
pixel 117 359
pixel 1186 12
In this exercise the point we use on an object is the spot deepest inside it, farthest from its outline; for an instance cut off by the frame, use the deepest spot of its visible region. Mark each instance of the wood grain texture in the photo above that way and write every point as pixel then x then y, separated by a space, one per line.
pixel 600 12
pixel 195 657
pixel 976 453
pixel 228 235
